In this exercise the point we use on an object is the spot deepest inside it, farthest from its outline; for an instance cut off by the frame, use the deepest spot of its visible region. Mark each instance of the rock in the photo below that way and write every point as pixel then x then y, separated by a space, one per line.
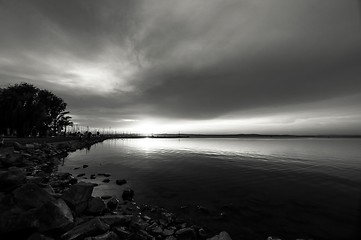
pixel 39 236
pixel 87 229
pixel 168 232
pixel 30 196
pixel 96 206
pixel 170 238
pixel 112 203
pixel 81 175
pixel 122 232
pixel 54 215
pixel 128 195
pixel 106 236
pixel 202 233
pixel 29 146
pixel 143 235
pixel 203 209
pixel 273 238
pixel 78 193
pixel 18 147
pixel 11 178
pixel 121 181
pixel 10 216
pixel 72 180
pixel 14 160
pixel 105 197
pixel 186 234
pixel 85 166
pixel 93 176
pixel 106 180
pixel 63 175
pixel 116 220
pixel 222 236
pixel 156 230
pixel 104 174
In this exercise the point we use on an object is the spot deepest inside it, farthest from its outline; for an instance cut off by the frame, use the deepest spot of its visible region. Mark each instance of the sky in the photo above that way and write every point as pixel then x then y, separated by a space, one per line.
pixel 207 66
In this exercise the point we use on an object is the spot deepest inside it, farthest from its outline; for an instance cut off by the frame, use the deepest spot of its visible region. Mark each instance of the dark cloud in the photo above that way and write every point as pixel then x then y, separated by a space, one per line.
pixel 188 60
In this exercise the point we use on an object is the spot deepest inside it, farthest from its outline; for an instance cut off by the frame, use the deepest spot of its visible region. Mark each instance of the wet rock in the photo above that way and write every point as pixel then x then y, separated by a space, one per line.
pixel 39 236
pixel 116 220
pixel 128 195
pixel 106 180
pixel 185 234
pixel 112 203
pixel 121 182
pixel 78 195
pixel 104 174
pixel 30 195
pixel 85 166
pixel 222 236
pixel 96 206
pixel 54 215
pixel 106 236
pixel 72 180
pixel 91 228
pixel 11 178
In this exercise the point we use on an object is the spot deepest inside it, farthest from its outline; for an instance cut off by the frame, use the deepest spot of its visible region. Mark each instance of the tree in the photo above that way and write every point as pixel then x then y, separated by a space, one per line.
pixel 28 110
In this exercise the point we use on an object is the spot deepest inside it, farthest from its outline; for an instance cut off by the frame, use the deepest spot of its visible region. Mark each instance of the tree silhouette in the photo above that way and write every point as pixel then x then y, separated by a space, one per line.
pixel 29 110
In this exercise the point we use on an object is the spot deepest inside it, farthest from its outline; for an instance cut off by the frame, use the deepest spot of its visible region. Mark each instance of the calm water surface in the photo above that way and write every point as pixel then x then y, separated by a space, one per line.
pixel 253 188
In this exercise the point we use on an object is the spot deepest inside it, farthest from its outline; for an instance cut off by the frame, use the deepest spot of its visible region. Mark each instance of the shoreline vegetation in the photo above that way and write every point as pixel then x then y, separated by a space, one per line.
pixel 38 202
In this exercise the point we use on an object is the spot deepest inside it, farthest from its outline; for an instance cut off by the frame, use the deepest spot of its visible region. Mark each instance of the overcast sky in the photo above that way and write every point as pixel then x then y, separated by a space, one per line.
pixel 211 66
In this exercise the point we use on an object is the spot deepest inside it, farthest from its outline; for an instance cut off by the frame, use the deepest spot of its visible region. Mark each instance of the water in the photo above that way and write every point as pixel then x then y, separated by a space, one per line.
pixel 252 188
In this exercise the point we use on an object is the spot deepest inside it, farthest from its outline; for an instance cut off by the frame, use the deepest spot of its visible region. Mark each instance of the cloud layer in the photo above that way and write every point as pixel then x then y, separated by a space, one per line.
pixel 198 66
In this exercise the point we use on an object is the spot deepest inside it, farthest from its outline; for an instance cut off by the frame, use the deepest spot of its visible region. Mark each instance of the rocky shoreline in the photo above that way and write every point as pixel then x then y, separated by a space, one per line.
pixel 38 202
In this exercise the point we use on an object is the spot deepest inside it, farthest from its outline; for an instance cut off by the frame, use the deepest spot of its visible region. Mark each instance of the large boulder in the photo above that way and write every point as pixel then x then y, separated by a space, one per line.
pixel 222 236
pixel 96 206
pixel 11 178
pixel 91 228
pixel 30 195
pixel 78 195
pixel 54 215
